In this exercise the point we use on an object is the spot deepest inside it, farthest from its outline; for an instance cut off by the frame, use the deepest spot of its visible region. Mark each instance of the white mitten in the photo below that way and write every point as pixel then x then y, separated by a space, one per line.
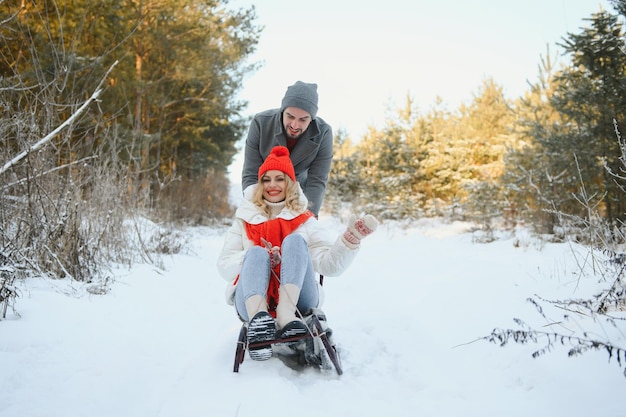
pixel 358 229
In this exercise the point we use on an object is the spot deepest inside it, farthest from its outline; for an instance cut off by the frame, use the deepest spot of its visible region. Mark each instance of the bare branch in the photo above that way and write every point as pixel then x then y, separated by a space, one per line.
pixel 4 187
pixel 52 134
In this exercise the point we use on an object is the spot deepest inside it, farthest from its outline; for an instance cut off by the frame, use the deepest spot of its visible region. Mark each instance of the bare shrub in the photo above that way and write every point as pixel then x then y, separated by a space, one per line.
pixel 64 221
pixel 197 201
pixel 8 292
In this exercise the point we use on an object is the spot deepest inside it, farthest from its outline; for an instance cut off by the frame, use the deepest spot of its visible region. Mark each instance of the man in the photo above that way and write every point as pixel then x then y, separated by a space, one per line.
pixel 309 140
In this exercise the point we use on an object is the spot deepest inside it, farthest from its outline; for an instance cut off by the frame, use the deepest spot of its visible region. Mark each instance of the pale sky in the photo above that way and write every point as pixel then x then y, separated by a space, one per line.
pixel 366 56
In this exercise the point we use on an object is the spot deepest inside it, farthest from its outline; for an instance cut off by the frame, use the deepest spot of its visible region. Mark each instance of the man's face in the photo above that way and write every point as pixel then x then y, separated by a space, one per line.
pixel 295 121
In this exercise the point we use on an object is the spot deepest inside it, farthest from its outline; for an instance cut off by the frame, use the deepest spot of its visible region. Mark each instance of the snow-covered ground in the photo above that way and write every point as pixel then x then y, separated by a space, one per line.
pixel 406 317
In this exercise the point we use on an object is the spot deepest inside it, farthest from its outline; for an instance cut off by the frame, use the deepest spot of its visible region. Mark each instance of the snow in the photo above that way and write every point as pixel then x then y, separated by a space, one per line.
pixel 408 317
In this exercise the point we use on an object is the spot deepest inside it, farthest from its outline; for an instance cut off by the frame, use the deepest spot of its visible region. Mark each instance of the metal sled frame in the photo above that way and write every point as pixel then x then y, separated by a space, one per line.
pixel 316 331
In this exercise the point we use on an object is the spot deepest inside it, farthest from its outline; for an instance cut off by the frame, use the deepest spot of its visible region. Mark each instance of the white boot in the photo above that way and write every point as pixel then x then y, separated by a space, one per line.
pixel 261 328
pixel 254 304
pixel 288 323
pixel 288 295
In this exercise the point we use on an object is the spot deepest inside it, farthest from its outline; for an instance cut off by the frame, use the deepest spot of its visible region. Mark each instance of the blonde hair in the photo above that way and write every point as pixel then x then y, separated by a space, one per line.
pixel 292 197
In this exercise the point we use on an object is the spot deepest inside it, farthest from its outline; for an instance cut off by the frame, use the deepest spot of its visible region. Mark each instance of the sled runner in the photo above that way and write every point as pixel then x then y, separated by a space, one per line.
pixel 314 348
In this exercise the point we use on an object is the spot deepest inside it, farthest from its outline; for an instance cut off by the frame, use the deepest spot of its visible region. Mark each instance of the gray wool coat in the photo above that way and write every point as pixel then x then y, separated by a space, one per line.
pixel 311 157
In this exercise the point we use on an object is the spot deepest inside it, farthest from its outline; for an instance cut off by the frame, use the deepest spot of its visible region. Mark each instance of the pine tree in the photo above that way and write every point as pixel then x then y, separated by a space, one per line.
pixel 345 178
pixel 591 94
pixel 536 172
pixel 390 167
pixel 439 159
pixel 486 134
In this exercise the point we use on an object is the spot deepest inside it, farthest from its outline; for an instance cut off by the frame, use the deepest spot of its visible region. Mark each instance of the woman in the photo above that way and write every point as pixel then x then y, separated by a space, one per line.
pixel 273 250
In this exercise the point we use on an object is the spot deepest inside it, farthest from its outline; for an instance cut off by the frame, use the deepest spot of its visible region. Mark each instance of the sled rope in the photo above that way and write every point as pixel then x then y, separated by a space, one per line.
pixel 277 278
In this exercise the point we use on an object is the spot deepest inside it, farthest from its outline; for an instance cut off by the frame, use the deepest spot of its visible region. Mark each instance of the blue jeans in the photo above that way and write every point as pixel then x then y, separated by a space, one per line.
pixel 295 268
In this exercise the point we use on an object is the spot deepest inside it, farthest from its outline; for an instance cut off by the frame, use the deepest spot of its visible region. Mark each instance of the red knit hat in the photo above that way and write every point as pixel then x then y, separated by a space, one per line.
pixel 278 159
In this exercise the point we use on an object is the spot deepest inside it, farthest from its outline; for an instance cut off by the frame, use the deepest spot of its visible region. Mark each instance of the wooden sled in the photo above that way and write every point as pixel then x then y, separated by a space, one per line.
pixel 316 330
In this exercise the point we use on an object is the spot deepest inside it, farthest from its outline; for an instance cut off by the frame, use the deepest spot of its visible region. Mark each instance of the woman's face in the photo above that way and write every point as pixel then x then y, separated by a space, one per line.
pixel 274 184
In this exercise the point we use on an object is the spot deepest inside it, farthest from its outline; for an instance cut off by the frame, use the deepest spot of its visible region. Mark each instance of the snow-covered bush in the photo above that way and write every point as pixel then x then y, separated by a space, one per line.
pixel 8 292
pixel 597 320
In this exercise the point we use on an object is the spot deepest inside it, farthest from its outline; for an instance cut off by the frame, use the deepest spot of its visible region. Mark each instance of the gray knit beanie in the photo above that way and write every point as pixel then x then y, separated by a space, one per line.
pixel 303 96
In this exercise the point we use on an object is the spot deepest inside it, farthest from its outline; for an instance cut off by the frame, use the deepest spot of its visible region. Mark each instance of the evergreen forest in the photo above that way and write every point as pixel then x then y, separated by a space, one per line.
pixel 552 160
pixel 115 113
